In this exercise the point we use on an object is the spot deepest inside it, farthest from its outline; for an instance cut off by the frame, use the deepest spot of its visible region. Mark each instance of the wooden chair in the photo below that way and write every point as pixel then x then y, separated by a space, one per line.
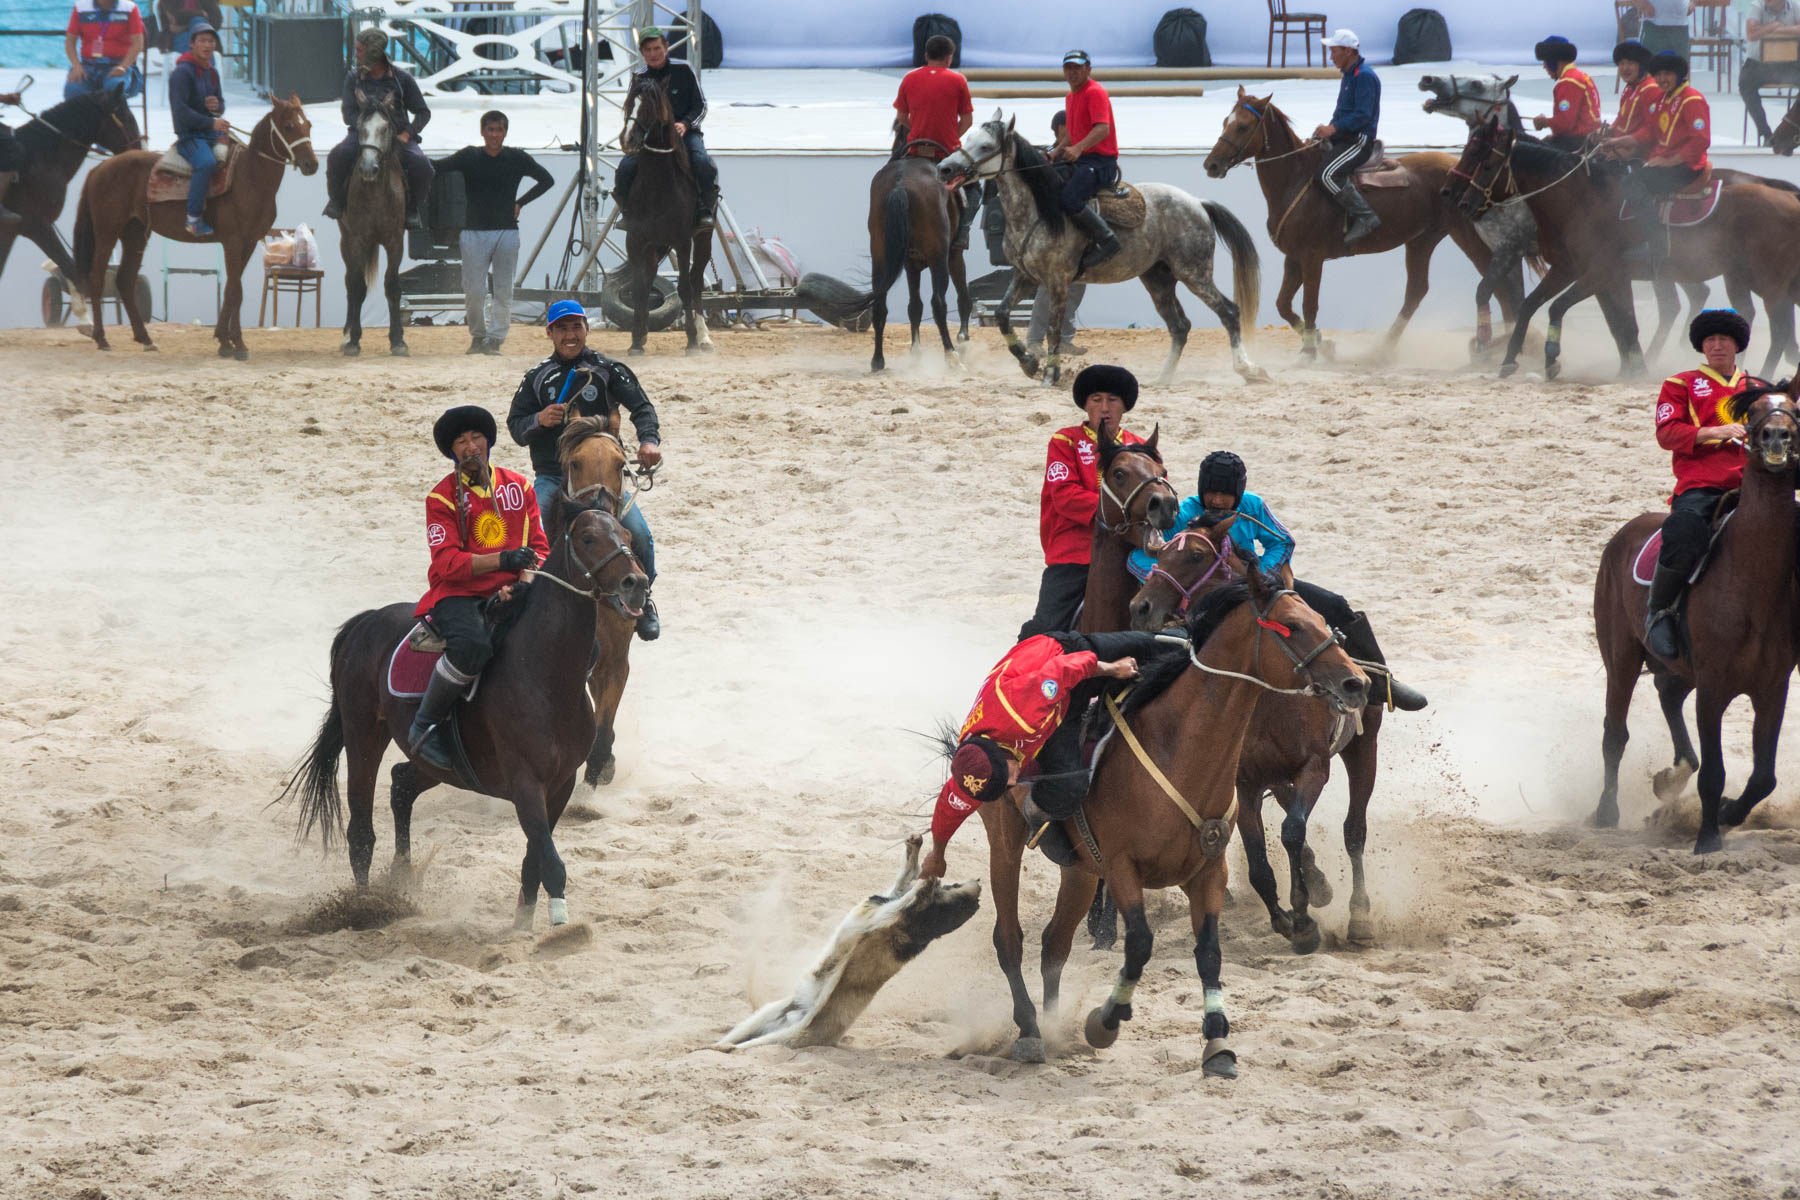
pixel 1284 22
pixel 1711 39
pixel 1776 50
pixel 294 281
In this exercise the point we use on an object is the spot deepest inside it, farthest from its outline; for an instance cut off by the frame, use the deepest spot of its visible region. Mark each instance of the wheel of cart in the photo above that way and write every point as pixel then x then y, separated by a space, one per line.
pixel 618 300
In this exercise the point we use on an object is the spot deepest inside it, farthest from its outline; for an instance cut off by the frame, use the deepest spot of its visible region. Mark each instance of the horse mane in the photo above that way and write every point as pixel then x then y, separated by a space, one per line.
pixel 1535 155
pixel 1738 407
pixel 579 430
pixel 1205 615
pixel 1044 184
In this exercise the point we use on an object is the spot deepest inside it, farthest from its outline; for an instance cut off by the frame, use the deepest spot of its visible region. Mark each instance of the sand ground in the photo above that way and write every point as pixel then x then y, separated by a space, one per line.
pixel 1550 1011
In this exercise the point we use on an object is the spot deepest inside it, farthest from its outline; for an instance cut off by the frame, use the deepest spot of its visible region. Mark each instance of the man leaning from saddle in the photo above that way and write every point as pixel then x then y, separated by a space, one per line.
pixel 576 381
pixel 483 528
pixel 933 109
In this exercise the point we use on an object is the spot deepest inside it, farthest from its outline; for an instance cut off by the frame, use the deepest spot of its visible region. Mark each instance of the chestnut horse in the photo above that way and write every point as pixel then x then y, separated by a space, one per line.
pixel 1159 807
pixel 1307 226
pixel 1135 500
pixel 912 223
pixel 525 732
pixel 1287 752
pixel 1741 619
pixel 115 208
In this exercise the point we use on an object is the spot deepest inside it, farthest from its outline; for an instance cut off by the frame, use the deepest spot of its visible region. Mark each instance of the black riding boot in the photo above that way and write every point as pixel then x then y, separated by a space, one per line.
pixel 1094 227
pixel 336 190
pixel 8 218
pixel 971 204
pixel 416 211
pixel 1662 627
pixel 1363 220
pixel 1359 642
pixel 706 208
pixel 427 739
pixel 648 627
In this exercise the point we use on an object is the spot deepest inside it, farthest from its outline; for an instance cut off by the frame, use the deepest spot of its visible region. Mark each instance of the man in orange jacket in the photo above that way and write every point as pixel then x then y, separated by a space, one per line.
pixel 483 529
pixel 1018 719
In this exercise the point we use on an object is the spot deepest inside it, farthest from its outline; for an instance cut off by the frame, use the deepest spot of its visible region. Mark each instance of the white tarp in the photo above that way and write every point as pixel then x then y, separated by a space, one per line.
pixel 1025 33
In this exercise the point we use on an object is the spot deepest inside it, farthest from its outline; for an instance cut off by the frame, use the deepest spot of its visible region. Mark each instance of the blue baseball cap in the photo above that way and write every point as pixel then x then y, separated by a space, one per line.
pixel 564 308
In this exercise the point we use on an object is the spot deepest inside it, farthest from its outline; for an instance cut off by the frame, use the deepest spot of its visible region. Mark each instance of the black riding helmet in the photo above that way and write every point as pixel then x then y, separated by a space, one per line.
pixel 1102 377
pixel 1720 320
pixel 1632 50
pixel 457 421
pixel 1669 61
pixel 1223 471
pixel 1556 49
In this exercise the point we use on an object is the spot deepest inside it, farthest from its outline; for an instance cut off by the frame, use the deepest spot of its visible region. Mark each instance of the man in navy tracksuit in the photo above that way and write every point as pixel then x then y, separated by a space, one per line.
pixel 1351 134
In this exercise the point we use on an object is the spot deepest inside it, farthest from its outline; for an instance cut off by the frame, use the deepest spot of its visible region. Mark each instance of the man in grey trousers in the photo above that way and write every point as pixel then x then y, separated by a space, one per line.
pixel 490 238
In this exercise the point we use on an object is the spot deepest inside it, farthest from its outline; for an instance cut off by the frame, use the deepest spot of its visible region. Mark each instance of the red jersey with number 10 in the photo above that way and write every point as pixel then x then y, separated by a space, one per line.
pixel 1690 402
pixel 503 516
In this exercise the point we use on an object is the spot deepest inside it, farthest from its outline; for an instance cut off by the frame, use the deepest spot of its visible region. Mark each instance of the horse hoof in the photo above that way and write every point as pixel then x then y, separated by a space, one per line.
pixel 224 351
pixel 1105 943
pixel 607 769
pixel 1508 370
pixel 1282 922
pixel 1306 938
pixel 1029 363
pixel 1257 375
pixel 1732 813
pixel 559 912
pixel 350 349
pixel 399 350
pixel 1708 843
pixel 1318 890
pixel 635 352
pixel 1552 369
pixel 1218 1060
pixel 1607 816
pixel 523 916
pixel 1362 929
pixel 241 355
pixel 1669 783
pixel 150 346
pixel 1028 1050
pixel 1096 1031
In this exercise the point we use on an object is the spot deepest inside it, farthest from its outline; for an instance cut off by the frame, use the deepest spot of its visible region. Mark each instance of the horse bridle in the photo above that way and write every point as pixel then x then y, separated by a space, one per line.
pixel 1126 524
pixel 591 592
pixel 287 147
pixel 1790 413
pixel 1493 106
pixel 1487 193
pixel 1178 543
pixel 1283 634
pixel 1241 150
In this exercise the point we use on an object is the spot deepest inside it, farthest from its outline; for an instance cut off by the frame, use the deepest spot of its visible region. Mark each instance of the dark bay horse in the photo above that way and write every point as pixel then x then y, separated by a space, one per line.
pixel 1307 226
pixel 55 145
pixel 1136 500
pixel 115 208
pixel 659 218
pixel 1173 245
pixel 526 732
pixel 374 220
pixel 1741 619
pixel 912 223
pixel 1287 752
pixel 1187 716
pixel 593 463
pixel 1752 239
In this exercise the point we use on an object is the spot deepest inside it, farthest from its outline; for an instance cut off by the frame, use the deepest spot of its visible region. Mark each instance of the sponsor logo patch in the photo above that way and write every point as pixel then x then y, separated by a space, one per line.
pixel 435 536
pixel 1699 123
pixel 1084 451
pixel 590 393
pixel 1562 106
pixel 958 803
pixel 1049 688
pixel 1702 388
pixel 1057 472
pixel 1664 412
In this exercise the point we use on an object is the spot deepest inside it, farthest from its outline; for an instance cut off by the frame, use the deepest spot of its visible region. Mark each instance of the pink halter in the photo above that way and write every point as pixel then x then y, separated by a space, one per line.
pixel 1187 593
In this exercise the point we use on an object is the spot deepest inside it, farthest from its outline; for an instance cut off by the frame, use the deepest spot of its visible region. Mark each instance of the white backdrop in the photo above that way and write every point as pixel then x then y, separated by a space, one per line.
pixel 1017 33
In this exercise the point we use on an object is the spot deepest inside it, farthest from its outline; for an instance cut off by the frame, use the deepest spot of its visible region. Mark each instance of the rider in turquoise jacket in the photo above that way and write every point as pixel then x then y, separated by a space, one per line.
pixel 1260 536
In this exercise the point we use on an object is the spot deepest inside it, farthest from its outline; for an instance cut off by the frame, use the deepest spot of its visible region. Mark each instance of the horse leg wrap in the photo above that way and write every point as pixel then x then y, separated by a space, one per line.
pixel 1215 1000
pixel 1553 339
pixel 559 911
pixel 1121 993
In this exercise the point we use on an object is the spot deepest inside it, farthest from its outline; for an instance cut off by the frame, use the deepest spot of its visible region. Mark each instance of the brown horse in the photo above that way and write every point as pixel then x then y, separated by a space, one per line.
pixel 1308 227
pixel 1741 619
pixel 1287 752
pixel 593 462
pixel 115 208
pixel 525 732
pixel 1162 816
pixel 1135 501
pixel 659 218
pixel 1575 202
pixel 912 223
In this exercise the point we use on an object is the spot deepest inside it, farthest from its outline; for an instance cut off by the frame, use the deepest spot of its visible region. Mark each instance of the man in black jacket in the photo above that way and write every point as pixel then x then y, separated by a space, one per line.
pixel 577 382
pixel 373 82
pixel 490 235
pixel 689 107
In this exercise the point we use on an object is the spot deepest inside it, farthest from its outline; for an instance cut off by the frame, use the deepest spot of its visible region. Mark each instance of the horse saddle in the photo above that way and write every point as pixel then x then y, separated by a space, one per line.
pixel 1643 567
pixel 1380 171
pixel 1690 206
pixel 169 177
pixel 1122 206
pixel 925 148
pixel 413 660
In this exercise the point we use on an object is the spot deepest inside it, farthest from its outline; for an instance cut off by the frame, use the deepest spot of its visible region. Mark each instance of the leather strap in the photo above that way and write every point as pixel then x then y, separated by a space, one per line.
pixel 1214 832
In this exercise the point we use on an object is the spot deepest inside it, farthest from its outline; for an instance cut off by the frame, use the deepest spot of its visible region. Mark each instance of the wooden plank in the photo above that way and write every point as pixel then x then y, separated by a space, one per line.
pixel 1024 91
pixel 1109 76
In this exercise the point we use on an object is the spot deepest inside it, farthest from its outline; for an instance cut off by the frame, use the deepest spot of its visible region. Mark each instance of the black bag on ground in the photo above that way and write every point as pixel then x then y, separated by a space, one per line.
pixel 1181 39
pixel 712 42
pixel 930 25
pixel 1423 37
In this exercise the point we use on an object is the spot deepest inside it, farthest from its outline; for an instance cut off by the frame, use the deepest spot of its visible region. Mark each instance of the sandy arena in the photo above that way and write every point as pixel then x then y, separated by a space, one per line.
pixel 1550 1011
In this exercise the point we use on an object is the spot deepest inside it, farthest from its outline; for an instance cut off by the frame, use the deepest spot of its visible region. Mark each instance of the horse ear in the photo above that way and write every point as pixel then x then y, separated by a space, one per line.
pixel 1155 430
pixel 1241 92
pixel 1011 121
pixel 1507 86
pixel 999 115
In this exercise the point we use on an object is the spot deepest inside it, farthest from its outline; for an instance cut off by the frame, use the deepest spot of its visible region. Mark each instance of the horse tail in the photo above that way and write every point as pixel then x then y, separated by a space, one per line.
pixel 84 240
pixel 314 781
pixel 896 236
pixel 1246 266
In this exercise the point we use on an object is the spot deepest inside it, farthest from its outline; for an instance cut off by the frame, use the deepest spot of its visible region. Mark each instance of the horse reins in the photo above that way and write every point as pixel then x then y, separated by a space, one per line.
pixel 1282 633
pixel 593 592
pixel 275 134
pixel 1179 542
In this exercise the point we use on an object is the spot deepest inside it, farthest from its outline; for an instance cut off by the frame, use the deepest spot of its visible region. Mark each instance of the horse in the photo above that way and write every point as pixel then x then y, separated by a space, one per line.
pixel 374 220
pixel 1741 635
pixel 1587 255
pixel 593 462
pixel 1787 132
pixel 1174 244
pixel 1160 807
pixel 115 208
pixel 1135 500
pixel 1509 232
pixel 1287 752
pixel 55 146
pixel 660 218
pixel 525 732
pixel 1307 226
pixel 912 227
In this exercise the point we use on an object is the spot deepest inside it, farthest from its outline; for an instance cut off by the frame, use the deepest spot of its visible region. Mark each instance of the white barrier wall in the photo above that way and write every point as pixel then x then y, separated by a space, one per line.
pixel 1024 33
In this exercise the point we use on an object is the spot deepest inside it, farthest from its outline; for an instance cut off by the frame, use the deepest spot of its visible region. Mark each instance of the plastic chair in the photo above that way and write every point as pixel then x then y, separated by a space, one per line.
pixel 1284 22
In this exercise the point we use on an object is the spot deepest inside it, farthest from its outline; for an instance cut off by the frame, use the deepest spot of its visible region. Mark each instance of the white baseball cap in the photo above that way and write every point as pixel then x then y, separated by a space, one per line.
pixel 1342 37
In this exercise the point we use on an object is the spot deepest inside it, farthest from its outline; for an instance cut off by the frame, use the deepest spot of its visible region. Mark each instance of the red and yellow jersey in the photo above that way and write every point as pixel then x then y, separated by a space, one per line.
pixel 1574 104
pixel 1071 493
pixel 502 516
pixel 1025 697
pixel 1690 402
pixel 1684 127
pixel 1637 114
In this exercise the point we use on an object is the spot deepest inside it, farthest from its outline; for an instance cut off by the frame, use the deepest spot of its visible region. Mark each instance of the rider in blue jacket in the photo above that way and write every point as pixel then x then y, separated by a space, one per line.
pixel 1259 536
pixel 1350 137
pixel 197 105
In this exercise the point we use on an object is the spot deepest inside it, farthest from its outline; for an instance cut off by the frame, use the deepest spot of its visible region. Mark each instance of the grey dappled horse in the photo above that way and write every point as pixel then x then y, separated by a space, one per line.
pixel 374 219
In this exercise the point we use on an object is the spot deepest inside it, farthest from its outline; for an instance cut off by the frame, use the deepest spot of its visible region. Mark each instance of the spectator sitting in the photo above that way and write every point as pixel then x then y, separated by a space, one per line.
pixel 1774 18
pixel 104 40
pixel 174 19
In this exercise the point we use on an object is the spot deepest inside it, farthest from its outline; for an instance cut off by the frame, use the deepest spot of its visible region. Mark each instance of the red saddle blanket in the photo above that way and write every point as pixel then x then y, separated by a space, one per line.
pixel 169 178
pixel 409 670
pixel 1683 208
pixel 1644 565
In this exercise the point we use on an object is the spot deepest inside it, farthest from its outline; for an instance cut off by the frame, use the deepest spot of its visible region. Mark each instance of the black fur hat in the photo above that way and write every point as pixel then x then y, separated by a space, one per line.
pixel 1720 320
pixel 457 421
pixel 1102 377
pixel 1632 50
pixel 1223 471
pixel 1556 49
pixel 1668 61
